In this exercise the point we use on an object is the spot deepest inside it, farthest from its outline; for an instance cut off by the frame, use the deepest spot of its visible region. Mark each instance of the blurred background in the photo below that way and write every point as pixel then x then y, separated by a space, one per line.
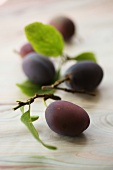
pixel 93 20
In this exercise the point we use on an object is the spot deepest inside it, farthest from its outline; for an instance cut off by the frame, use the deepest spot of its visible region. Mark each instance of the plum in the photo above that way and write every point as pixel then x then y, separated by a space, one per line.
pixel 26 49
pixel 38 68
pixel 65 26
pixel 84 75
pixel 66 118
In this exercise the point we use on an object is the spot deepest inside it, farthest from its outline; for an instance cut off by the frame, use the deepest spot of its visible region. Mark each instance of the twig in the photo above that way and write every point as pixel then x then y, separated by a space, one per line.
pixel 75 91
pixel 58 82
pixel 31 100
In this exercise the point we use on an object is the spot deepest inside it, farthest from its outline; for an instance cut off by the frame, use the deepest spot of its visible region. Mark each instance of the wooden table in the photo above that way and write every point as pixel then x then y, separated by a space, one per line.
pixel 94 149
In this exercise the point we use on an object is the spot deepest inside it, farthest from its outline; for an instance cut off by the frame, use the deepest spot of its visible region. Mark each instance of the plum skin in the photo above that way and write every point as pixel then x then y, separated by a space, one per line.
pixel 85 75
pixel 26 49
pixel 38 68
pixel 65 26
pixel 66 118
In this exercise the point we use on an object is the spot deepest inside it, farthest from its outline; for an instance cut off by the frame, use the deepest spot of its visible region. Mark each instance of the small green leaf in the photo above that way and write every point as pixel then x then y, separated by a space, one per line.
pixel 26 119
pixel 30 89
pixel 85 56
pixel 34 118
pixel 45 39
pixel 22 109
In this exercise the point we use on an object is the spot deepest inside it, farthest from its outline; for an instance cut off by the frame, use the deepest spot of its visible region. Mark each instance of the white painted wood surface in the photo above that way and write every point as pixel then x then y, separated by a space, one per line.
pixel 94 149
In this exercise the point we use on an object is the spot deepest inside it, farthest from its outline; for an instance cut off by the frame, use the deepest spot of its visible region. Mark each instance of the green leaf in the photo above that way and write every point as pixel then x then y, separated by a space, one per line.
pixel 30 89
pixel 34 118
pixel 85 56
pixel 45 39
pixel 26 119
pixel 22 109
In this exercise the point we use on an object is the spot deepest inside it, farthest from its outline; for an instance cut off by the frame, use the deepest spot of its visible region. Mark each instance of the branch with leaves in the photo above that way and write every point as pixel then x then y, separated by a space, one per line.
pixel 27 119
pixel 46 40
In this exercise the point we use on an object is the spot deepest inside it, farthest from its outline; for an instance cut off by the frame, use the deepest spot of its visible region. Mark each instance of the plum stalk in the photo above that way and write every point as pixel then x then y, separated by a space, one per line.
pixel 66 78
pixel 31 100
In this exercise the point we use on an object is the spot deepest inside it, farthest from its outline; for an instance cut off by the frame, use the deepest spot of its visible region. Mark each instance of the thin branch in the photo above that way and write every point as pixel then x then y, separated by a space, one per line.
pixel 17 52
pixel 67 58
pixel 74 91
pixel 58 82
pixel 31 100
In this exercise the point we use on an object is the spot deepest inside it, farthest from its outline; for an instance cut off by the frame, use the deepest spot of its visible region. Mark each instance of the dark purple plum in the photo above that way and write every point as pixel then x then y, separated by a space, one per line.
pixel 66 118
pixel 26 49
pixel 38 68
pixel 85 75
pixel 65 26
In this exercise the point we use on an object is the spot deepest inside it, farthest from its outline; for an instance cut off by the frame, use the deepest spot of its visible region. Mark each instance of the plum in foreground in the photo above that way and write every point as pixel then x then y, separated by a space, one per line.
pixel 66 118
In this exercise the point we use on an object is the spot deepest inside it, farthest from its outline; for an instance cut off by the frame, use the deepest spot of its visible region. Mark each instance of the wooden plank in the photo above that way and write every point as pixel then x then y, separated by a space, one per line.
pixel 94 148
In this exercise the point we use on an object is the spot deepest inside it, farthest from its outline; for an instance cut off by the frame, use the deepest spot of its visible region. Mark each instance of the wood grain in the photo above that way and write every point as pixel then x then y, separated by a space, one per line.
pixel 92 150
